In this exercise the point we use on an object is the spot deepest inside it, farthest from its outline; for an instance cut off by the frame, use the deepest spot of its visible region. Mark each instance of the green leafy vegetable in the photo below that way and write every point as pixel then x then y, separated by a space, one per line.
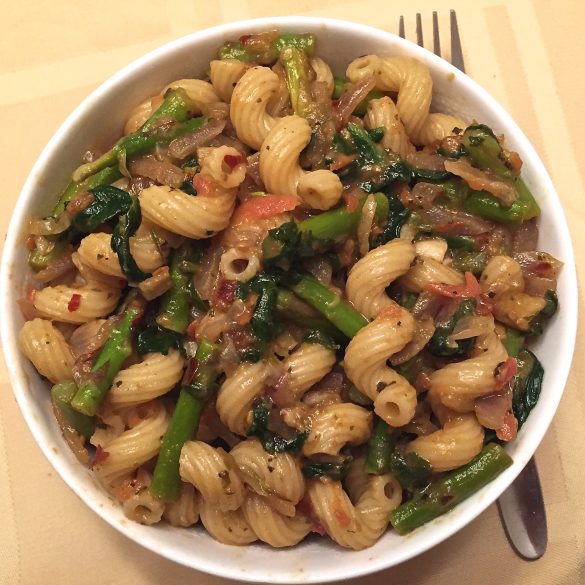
pixel 61 395
pixel 527 385
pixel 321 338
pixel 263 315
pixel 124 230
pixel 336 471
pixel 380 448
pixel 156 339
pixel 538 323
pixel 410 470
pixel 439 344
pixel 397 216
pixel 108 202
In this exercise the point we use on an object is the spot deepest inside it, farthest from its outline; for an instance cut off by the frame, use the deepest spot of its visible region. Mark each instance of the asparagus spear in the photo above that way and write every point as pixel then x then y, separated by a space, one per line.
pixel 294 62
pixel 176 107
pixel 451 489
pixel 330 305
pixel 260 48
pixel 37 261
pixel 113 354
pixel 380 448
pixel 61 395
pixel 194 396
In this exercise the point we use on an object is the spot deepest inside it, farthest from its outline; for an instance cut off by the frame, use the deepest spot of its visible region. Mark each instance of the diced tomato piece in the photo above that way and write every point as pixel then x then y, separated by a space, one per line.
pixel 203 185
pixel 74 302
pixel 341 161
pixel 30 293
pixel 509 429
pixel 351 202
pixel 505 371
pixel 233 160
pixel 265 206
pixel 389 313
pixel 469 290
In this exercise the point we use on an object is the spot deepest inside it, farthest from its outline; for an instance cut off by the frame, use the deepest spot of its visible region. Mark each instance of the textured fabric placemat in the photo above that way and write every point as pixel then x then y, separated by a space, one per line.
pixel 527 53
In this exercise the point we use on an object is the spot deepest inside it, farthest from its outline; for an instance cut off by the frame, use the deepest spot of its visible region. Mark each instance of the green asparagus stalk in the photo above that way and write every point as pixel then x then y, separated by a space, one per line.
pixel 380 448
pixel 61 395
pixel 37 261
pixel 451 489
pixel 177 106
pixel 513 342
pixel 330 225
pixel 291 308
pixel 103 177
pixel 113 354
pixel 193 397
pixel 295 64
pixel 142 141
pixel 330 305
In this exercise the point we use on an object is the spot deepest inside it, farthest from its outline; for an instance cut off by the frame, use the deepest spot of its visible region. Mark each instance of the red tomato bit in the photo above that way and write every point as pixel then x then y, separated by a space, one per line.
pixel 74 302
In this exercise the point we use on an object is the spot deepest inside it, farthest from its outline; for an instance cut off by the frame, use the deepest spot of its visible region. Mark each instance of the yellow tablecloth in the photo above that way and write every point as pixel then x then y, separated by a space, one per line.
pixel 527 53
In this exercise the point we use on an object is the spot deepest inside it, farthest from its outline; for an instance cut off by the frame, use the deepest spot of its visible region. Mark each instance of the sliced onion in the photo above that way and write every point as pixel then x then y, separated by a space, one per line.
pixel 426 160
pixel 537 286
pixel 365 224
pixel 422 335
pixel 321 269
pixel 490 410
pixel 60 266
pixel 351 98
pixel 539 264
pixel 432 248
pixel 423 195
pixel 471 326
pixel 161 171
pixel 43 245
pixel 188 144
pixel 207 278
pixel 82 339
pixel 464 224
pixel 49 226
pixel 525 237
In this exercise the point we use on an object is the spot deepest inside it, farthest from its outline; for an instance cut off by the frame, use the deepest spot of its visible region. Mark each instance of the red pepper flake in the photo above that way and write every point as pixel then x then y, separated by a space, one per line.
pixel 203 185
pixel 74 302
pixel 190 371
pixel 509 428
pixel 335 103
pixel 469 290
pixel 233 160
pixel 99 457
pixel 505 371
pixel 351 202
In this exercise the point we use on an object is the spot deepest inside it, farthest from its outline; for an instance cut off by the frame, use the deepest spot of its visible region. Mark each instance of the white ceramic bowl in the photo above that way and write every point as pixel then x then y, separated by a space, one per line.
pixel 98 120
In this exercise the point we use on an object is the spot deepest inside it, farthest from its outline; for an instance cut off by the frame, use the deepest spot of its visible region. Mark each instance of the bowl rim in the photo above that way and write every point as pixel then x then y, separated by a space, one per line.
pixel 9 334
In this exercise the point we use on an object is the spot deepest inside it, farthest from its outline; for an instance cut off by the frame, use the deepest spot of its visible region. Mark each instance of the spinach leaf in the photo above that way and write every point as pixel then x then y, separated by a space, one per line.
pixel 411 471
pixel 438 344
pixel 336 471
pixel 397 216
pixel 272 442
pixel 124 230
pixel 155 339
pixel 538 323
pixel 317 336
pixel 527 385
pixel 109 202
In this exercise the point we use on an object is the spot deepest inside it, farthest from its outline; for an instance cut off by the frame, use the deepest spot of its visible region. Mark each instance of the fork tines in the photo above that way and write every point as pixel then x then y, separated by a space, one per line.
pixel 456 51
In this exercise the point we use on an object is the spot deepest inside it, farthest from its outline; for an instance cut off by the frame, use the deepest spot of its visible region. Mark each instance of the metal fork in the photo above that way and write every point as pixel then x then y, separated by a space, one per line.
pixel 521 506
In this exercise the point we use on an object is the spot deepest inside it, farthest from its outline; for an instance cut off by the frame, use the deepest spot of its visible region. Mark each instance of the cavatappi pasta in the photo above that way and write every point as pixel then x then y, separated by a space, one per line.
pixel 286 302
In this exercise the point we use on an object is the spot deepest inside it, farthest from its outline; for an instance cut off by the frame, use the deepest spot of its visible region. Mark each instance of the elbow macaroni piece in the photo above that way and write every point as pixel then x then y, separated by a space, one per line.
pixel 458 384
pixel 224 75
pixel 273 527
pixel 200 92
pixel 185 511
pixel 413 82
pixel 249 103
pixel 382 113
pixel 355 526
pixel 365 365
pixel 456 444
pixel 134 446
pixel 337 425
pixel 368 279
pixel 308 364
pixel 214 474
pixel 95 300
pixel 429 271
pixel 235 397
pixel 281 172
pixel 502 274
pixel 44 345
pixel 144 508
pixel 229 267
pixel 277 475
pixel 227 527
pixel 149 379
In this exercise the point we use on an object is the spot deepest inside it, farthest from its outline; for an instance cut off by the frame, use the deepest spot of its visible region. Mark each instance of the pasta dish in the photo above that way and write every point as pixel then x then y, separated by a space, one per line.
pixel 287 302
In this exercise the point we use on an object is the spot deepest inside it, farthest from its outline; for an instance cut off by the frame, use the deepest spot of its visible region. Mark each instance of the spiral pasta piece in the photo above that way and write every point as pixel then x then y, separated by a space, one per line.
pixel 429 271
pixel 281 172
pixel 382 113
pixel 337 425
pixel 323 74
pixel 95 251
pixel 134 446
pixel 501 274
pixel 365 365
pixel 184 511
pixel 200 92
pixel 308 364
pixel 413 82
pixel 276 475
pixel 213 473
pixel 249 102
pixel 44 345
pixel 456 444
pixel 368 279
pixel 76 304
pixel 144 508
pixel 227 527
pixel 224 75
pixel 273 527
pixel 458 384
pixel 355 526
pixel 149 379
pixel 235 397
